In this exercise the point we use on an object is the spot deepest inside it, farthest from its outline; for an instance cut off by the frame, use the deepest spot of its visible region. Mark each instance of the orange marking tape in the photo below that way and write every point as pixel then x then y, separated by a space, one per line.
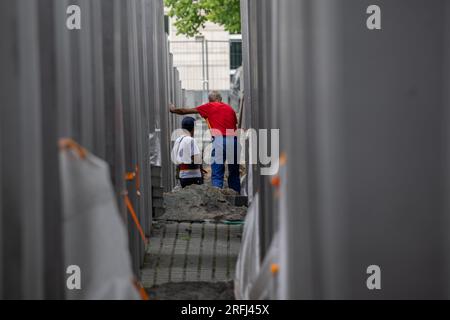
pixel 276 182
pixel 67 143
pixel 142 292
pixel 135 218
pixel 274 268
pixel 283 159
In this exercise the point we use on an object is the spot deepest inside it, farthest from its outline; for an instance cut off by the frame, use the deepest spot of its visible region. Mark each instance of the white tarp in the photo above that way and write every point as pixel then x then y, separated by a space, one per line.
pixel 248 264
pixel 155 147
pixel 95 237
pixel 265 284
pixel 255 280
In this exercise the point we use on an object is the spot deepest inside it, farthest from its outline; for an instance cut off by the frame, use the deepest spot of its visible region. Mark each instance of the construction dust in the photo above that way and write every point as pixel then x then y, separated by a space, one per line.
pixel 201 203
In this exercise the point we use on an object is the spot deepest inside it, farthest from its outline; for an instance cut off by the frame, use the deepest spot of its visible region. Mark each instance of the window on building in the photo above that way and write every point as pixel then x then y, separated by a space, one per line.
pixel 235 54
pixel 166 24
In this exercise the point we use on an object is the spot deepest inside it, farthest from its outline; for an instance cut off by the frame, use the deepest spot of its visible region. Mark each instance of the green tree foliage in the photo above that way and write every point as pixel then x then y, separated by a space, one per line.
pixel 191 15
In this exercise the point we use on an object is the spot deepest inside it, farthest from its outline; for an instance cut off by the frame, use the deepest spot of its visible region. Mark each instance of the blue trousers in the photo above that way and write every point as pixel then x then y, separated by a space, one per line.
pixel 225 150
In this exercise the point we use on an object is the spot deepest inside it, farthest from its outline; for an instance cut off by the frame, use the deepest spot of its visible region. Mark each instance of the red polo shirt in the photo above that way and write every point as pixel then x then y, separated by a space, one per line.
pixel 220 117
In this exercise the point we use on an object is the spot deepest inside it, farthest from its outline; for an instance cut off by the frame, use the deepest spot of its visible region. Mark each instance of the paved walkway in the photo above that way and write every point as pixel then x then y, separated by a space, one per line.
pixel 189 252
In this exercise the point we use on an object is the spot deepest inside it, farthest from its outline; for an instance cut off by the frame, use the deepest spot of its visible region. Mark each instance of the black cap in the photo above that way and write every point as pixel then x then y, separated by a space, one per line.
pixel 188 124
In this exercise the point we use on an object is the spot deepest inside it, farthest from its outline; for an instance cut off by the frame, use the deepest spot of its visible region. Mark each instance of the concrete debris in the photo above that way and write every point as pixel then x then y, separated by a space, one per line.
pixel 200 203
pixel 229 192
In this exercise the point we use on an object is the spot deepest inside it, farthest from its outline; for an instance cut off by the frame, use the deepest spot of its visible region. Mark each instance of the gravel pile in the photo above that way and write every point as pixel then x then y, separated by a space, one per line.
pixel 200 203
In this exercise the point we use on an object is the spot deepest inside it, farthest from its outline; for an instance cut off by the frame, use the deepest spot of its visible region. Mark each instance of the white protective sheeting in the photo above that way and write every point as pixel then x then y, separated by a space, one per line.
pixel 95 237
pixel 155 147
pixel 248 264
pixel 265 285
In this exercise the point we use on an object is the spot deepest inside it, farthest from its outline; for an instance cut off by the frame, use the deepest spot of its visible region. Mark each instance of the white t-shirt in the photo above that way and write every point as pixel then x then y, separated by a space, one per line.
pixel 183 150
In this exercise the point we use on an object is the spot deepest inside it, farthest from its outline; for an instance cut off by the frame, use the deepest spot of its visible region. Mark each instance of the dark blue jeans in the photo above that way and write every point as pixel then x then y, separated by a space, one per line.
pixel 225 150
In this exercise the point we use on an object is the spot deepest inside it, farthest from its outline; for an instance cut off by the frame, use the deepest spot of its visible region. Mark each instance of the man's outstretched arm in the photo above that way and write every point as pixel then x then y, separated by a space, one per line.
pixel 182 111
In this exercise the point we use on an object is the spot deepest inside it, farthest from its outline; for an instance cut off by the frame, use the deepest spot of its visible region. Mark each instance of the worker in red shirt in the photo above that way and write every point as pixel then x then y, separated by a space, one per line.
pixel 222 121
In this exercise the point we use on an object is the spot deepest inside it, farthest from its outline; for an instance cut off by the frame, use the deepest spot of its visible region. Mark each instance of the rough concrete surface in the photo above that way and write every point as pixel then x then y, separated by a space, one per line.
pixel 200 203
pixel 192 291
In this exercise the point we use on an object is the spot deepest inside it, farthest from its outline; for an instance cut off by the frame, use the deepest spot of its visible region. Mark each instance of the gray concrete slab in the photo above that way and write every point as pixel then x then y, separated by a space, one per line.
pixel 192 252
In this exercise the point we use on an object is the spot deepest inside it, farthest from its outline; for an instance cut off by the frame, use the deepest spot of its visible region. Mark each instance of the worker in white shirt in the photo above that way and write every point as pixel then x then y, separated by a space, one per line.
pixel 187 156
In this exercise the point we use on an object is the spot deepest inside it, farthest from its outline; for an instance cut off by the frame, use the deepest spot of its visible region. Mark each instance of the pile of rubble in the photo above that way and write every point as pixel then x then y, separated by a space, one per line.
pixel 200 203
